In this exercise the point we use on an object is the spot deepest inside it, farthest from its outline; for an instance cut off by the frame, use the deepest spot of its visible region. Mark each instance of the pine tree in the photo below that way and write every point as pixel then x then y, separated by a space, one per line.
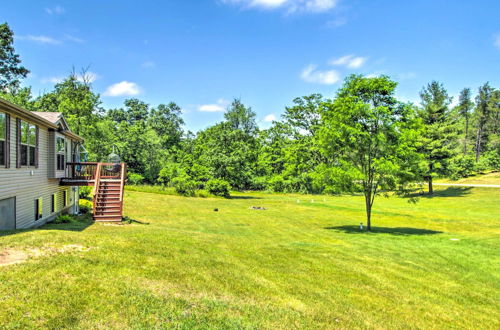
pixel 439 138
pixel 465 105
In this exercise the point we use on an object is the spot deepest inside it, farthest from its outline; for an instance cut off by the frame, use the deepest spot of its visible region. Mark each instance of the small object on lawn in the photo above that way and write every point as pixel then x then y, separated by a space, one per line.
pixel 312 200
pixel 216 210
pixel 298 200
pixel 454 239
pixel 257 208
pixel 361 226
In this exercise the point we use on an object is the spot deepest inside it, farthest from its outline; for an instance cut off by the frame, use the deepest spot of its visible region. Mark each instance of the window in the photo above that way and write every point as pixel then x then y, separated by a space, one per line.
pixel 28 144
pixel 3 138
pixel 53 207
pixel 38 209
pixel 65 198
pixel 60 148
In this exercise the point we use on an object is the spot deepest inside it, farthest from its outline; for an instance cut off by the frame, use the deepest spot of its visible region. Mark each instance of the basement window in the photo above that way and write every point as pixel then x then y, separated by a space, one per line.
pixel 38 209
pixel 3 137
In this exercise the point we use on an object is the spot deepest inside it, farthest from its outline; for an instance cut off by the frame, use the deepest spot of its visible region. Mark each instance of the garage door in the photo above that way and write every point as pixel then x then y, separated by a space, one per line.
pixel 8 214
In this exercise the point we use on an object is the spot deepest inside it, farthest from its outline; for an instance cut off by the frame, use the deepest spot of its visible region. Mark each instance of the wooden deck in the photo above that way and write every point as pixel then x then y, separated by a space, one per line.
pixel 108 180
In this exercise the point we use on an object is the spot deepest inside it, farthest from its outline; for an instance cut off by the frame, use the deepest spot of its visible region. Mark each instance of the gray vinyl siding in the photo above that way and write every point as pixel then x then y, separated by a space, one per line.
pixel 29 183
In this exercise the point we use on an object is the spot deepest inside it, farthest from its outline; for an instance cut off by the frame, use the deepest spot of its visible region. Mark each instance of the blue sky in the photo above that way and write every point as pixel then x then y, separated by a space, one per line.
pixel 203 53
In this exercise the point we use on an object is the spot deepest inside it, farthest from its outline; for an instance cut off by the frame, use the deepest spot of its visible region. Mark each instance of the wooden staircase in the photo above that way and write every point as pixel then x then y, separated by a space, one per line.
pixel 108 192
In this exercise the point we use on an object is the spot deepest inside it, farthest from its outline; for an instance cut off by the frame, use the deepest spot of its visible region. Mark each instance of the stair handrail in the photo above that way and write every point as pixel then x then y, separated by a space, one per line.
pixel 97 179
pixel 122 186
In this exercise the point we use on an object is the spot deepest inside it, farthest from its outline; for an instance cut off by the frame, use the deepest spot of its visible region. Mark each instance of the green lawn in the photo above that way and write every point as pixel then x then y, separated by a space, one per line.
pixel 298 264
pixel 488 178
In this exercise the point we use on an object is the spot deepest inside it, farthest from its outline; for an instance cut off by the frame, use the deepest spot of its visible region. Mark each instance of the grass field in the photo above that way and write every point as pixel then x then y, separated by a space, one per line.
pixel 301 263
pixel 489 178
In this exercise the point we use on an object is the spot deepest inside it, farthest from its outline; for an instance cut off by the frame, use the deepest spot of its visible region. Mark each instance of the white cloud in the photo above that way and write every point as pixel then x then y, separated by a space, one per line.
pixel 312 75
pixel 349 61
pixel 124 88
pixel 270 118
pixel 40 39
pixel 375 74
pixel 335 23
pixel 220 106
pixel 148 64
pixel 407 75
pixel 291 6
pixel 88 77
pixel 496 41
pixel 73 38
pixel 57 10
pixel 52 80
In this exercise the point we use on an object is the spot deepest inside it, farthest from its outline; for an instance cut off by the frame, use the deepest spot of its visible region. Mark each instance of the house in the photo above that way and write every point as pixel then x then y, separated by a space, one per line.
pixel 40 171
pixel 34 149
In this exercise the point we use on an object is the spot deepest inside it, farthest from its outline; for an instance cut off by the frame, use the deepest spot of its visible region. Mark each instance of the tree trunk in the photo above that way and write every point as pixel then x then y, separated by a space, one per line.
pixel 368 211
pixel 466 134
pixel 431 190
pixel 478 143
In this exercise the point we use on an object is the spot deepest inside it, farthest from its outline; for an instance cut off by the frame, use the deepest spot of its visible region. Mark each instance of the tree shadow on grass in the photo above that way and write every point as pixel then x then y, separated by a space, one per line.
pixel 400 231
pixel 244 197
pixel 448 192
pixel 80 225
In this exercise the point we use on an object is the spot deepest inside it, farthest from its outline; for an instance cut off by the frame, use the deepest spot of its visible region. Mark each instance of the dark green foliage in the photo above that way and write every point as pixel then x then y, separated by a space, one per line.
pixel 218 187
pixel 11 70
pixel 135 178
pixel 462 166
pixel 64 218
pixel 439 139
pixel 184 186
pixel 84 192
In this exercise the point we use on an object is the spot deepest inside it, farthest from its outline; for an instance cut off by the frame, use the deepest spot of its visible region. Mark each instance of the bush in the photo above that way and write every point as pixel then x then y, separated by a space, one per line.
pixel 276 183
pixel 64 218
pixel 85 206
pixel 489 161
pixel 184 185
pixel 218 187
pixel 462 167
pixel 135 178
pixel 84 192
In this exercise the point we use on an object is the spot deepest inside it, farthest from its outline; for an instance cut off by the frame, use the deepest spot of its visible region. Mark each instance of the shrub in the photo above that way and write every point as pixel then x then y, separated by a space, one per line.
pixel 184 185
pixel 84 192
pixel 64 218
pixel 85 206
pixel 489 161
pixel 276 183
pixel 135 178
pixel 218 187
pixel 462 167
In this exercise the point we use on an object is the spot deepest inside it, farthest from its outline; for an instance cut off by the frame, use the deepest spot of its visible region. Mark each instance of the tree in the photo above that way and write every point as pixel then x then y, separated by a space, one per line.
pixel 11 70
pixel 483 113
pixel 440 133
pixel 465 105
pixel 166 120
pixel 240 117
pixel 369 136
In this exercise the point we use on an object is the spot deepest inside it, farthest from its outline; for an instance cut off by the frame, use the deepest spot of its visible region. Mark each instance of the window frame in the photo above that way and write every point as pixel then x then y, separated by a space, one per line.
pixel 3 140
pixel 65 197
pixel 61 154
pixel 30 144
pixel 38 208
pixel 53 204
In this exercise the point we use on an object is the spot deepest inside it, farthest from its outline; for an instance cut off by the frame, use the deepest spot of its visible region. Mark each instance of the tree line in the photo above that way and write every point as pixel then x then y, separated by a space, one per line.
pixel 364 139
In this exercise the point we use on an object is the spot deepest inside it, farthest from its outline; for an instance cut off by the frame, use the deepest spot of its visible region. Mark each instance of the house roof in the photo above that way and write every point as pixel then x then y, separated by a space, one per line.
pixel 50 119
pixel 53 117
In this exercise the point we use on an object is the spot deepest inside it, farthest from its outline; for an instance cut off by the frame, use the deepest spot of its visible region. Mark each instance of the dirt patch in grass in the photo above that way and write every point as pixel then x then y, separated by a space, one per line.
pixel 12 256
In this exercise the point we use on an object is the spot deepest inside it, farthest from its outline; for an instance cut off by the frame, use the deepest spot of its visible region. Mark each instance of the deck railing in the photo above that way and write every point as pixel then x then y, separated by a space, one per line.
pixel 86 171
pixel 81 171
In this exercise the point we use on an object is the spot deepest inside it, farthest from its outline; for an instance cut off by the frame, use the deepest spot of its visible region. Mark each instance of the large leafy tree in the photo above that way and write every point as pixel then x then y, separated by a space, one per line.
pixel 370 137
pixel 439 136
pixel 11 70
